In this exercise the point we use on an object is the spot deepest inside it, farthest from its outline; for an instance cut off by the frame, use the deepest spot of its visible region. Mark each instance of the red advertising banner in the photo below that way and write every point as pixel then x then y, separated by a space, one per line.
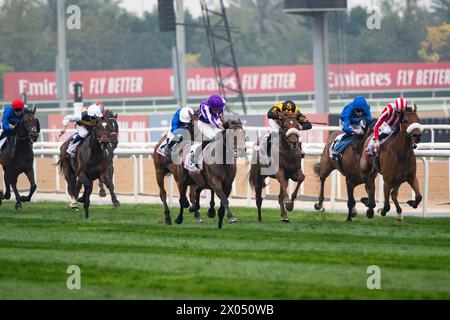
pixel 255 80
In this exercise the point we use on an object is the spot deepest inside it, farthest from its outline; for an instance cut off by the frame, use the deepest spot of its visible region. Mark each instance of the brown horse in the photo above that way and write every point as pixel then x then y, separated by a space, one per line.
pixel 397 161
pixel 165 166
pixel 18 157
pixel 93 160
pixel 218 170
pixel 348 165
pixel 286 162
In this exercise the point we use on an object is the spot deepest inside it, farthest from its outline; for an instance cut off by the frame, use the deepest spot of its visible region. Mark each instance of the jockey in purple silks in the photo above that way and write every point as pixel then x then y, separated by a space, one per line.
pixel 210 125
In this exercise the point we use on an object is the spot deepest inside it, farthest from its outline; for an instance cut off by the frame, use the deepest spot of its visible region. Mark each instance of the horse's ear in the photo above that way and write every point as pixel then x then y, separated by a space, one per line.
pixel 191 115
pixel 116 115
pixel 415 108
pixel 33 110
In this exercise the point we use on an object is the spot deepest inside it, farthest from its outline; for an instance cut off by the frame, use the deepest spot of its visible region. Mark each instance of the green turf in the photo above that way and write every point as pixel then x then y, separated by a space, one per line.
pixel 130 254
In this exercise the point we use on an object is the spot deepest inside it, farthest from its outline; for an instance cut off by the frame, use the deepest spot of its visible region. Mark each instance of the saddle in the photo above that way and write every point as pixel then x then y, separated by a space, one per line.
pixel 161 148
pixel 193 168
pixel 335 143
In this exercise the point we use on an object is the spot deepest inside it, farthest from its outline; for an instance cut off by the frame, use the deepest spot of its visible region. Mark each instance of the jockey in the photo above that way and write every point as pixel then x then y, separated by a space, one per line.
pixel 352 123
pixel 11 117
pixel 210 125
pixel 274 115
pixel 386 124
pixel 85 121
pixel 180 121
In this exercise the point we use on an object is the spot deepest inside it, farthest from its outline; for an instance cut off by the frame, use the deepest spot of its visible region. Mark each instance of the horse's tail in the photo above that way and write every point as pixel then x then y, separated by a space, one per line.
pixel 316 168
pixel 60 165
pixel 254 176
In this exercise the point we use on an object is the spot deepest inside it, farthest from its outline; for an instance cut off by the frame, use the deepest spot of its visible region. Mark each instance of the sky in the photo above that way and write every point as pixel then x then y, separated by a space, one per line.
pixel 139 6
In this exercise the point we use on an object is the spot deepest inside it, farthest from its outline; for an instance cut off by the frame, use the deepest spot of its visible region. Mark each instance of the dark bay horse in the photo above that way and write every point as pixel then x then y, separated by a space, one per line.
pixel 114 142
pixel 218 170
pixel 93 160
pixel 350 169
pixel 18 157
pixel 165 166
pixel 397 161
pixel 289 154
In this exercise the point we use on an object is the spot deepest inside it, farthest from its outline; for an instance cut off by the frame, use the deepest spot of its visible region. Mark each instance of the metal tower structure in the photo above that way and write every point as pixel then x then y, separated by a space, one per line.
pixel 222 52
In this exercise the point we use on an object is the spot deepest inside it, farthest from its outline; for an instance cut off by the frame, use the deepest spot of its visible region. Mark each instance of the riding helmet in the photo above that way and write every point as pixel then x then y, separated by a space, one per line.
pixel 18 104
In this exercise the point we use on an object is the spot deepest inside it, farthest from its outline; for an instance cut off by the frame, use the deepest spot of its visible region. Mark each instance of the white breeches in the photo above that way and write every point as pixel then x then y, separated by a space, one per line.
pixel 82 131
pixel 208 131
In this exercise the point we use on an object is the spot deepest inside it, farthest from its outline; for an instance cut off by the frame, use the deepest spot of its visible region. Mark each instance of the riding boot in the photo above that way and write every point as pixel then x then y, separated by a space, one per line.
pixel 170 144
pixel 72 147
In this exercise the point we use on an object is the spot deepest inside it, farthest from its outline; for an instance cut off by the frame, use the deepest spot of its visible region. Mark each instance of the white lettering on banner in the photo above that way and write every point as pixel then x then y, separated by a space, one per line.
pixel 125 85
pixel 273 81
pixel 432 77
pixel 39 88
pixel 355 80
pixel 405 77
pixel 250 81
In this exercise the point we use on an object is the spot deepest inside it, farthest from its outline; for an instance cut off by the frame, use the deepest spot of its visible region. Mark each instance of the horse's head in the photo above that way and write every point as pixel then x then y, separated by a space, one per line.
pixel 103 131
pixel 234 127
pixel 30 126
pixel 112 117
pixel 410 123
pixel 290 130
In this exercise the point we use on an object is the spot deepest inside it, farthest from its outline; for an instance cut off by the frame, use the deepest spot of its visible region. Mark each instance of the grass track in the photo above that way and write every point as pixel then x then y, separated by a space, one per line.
pixel 129 254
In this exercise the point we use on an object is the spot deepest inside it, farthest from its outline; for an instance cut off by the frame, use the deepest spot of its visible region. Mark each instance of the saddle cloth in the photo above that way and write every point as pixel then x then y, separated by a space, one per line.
pixel 191 166
pixel 335 142
pixel 161 148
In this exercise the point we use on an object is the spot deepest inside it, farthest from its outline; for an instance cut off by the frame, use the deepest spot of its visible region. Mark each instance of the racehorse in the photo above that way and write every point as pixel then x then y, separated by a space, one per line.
pixel 165 166
pixel 93 160
pixel 18 157
pixel 114 142
pixel 349 167
pixel 218 170
pixel 397 162
pixel 289 154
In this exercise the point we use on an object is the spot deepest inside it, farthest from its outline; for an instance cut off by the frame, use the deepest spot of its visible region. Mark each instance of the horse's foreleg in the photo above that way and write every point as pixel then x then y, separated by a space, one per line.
pixel 7 190
pixel 283 195
pixel 415 186
pixel 101 190
pixel 231 218
pixel 107 180
pixel 16 193
pixel 163 196
pixel 88 185
pixel 370 188
pixel 387 190
pixel 300 179
pixel 224 204
pixel 351 199
pixel 182 189
pixel 259 198
pixel 394 194
pixel 212 210
pixel 30 176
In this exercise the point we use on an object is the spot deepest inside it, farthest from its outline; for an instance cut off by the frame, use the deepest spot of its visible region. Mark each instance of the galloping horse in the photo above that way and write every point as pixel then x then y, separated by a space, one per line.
pixel 397 161
pixel 114 142
pixel 165 166
pixel 289 166
pixel 348 165
pixel 218 170
pixel 93 160
pixel 18 157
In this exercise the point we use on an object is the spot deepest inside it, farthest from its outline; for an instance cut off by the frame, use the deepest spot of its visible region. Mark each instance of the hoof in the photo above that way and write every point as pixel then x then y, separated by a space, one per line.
pixel 167 221
pixel 211 213
pixel 232 220
pixel 318 207
pixel 185 204
pixel 289 206
pixel 286 220
pixel 24 199
pixel 370 213
pixel 412 203
pixel 399 220
pixel 18 206
pixel 75 209
pixel 365 201
pixel 116 204
pixel 198 220
pixel 381 212
pixel 194 208
pixel 354 212
pixel 7 196
pixel 179 220
pixel 81 200
pixel 349 219
pixel 102 193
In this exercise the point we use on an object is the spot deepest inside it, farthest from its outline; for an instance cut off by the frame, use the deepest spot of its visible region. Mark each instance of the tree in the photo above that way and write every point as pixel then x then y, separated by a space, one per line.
pixel 436 47
pixel 441 10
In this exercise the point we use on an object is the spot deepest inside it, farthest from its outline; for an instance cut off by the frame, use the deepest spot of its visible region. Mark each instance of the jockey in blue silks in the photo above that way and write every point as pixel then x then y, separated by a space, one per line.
pixel 180 121
pixel 352 123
